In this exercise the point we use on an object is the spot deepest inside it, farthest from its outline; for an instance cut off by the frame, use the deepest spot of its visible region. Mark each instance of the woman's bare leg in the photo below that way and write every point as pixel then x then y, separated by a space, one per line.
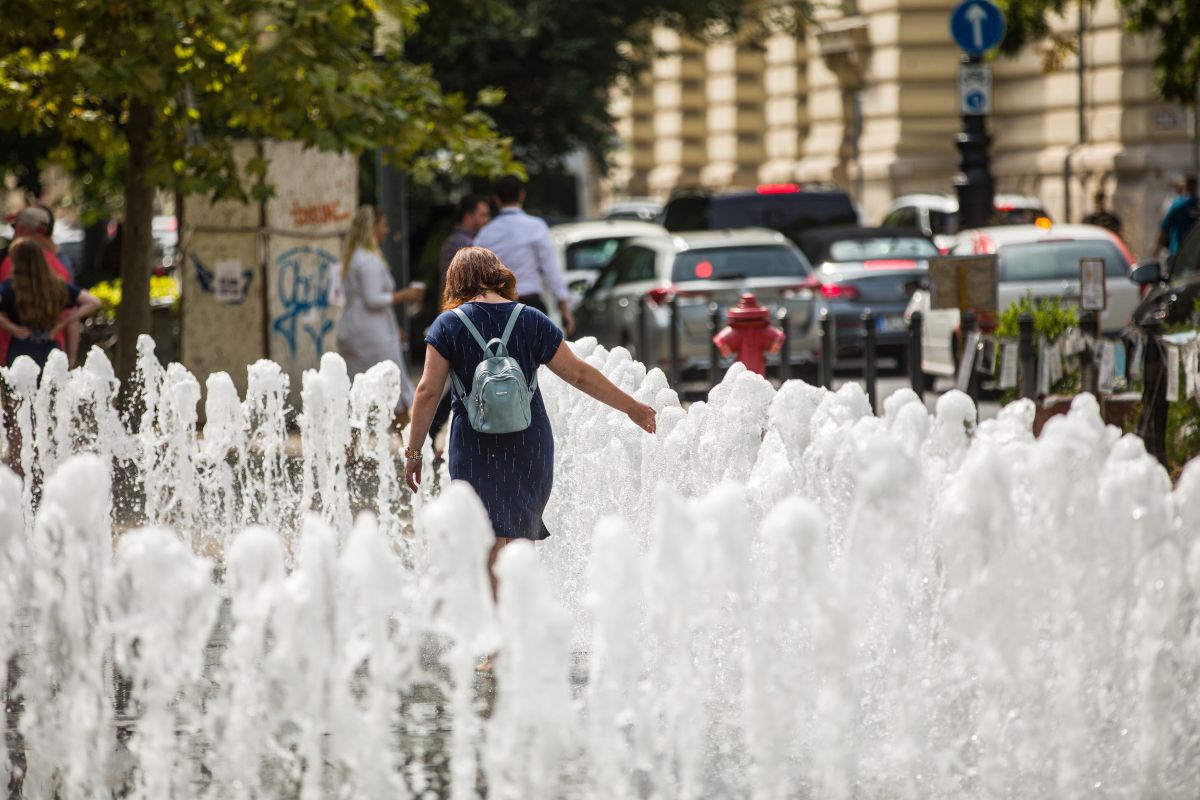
pixel 501 541
pixel 485 664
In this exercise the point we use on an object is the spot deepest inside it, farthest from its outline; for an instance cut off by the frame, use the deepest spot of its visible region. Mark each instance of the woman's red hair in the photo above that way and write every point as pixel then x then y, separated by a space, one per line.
pixel 474 271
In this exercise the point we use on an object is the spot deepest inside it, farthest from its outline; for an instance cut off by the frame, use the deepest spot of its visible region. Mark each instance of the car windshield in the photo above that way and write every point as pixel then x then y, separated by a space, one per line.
pixel 889 247
pixel 1048 261
pixel 729 263
pixel 1018 216
pixel 592 255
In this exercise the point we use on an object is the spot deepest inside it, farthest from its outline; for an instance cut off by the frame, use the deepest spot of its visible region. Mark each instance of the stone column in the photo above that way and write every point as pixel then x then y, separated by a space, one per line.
pixel 785 115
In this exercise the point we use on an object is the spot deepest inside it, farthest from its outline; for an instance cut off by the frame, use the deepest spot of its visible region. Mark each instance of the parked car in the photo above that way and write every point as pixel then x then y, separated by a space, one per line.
pixel 1033 259
pixel 1171 291
pixel 585 248
pixel 936 215
pixel 869 268
pixel 697 269
pixel 782 207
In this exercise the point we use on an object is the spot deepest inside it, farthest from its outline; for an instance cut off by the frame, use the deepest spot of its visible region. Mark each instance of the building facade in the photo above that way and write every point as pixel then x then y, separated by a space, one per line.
pixel 867 100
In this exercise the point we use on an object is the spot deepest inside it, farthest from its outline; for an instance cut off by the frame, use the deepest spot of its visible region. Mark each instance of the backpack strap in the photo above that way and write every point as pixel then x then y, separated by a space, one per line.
pixel 512 323
pixel 473 330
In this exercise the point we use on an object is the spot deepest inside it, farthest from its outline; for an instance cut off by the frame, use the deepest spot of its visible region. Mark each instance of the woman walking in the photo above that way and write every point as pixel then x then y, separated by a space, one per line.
pixel 32 302
pixel 511 472
pixel 367 331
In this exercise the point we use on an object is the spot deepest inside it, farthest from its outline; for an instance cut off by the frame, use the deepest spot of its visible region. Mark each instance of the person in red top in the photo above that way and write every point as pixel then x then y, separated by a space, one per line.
pixel 34 222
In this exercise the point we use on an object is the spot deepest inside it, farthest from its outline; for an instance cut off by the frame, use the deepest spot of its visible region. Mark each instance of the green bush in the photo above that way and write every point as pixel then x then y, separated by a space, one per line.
pixel 1051 319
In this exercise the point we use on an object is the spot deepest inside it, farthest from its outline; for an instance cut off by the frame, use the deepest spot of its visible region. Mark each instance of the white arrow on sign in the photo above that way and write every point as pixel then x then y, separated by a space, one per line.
pixel 976 15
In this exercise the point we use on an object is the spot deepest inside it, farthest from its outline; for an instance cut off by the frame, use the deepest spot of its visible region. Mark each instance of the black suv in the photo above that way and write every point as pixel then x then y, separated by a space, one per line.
pixel 783 207
pixel 1173 292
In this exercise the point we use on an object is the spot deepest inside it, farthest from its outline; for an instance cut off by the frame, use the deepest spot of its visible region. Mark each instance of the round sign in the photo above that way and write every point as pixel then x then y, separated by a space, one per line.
pixel 977 26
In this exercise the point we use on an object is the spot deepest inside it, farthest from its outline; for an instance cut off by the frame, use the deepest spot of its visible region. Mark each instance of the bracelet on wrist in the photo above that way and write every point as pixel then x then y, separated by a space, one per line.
pixel 412 455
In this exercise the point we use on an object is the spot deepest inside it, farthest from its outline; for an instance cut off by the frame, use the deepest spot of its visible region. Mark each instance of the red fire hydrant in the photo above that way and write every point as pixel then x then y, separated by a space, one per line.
pixel 749 335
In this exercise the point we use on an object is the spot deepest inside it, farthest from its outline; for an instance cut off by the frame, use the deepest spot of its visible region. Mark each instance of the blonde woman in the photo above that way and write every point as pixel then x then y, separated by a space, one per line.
pixel 367 332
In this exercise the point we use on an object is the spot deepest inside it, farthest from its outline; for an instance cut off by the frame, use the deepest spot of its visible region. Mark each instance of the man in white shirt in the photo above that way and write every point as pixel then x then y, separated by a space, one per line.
pixel 523 243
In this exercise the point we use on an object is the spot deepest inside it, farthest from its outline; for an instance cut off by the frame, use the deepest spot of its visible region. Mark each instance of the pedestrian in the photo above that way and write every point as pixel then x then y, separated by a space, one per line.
pixel 511 472
pixel 32 302
pixel 367 331
pixel 1180 217
pixel 522 243
pixel 36 224
pixel 1101 216
pixel 470 214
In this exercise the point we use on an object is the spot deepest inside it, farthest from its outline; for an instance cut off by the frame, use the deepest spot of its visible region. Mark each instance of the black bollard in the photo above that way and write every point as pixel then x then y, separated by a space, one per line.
pixel 1027 378
pixel 916 325
pixel 1152 422
pixel 969 325
pixel 676 368
pixel 1089 374
pixel 714 355
pixel 785 350
pixel 827 349
pixel 869 372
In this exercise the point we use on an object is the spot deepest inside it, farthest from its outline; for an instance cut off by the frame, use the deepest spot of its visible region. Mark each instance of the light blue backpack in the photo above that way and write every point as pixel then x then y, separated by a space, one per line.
pixel 500 397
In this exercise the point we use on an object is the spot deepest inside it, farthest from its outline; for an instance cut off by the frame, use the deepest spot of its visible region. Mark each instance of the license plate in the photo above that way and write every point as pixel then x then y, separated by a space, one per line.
pixel 890 324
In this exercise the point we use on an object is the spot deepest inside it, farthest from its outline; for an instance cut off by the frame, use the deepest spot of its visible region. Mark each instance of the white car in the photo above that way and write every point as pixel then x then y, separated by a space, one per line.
pixel 1038 259
pixel 585 248
pixel 936 215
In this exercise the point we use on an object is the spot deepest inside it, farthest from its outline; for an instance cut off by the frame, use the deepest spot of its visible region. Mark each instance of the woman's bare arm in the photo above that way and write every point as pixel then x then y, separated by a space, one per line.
pixel 425 402
pixel 583 376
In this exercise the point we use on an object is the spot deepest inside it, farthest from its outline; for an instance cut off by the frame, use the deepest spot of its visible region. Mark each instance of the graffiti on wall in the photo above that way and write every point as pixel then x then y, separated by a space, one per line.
pixel 305 315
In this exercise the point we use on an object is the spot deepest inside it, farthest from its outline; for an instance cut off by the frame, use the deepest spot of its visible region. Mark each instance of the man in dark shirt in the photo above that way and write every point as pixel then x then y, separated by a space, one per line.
pixel 471 214
pixel 1102 216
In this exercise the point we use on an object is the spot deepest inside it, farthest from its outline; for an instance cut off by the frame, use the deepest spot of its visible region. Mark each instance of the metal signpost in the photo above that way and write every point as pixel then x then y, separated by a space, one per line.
pixel 964 282
pixel 977 26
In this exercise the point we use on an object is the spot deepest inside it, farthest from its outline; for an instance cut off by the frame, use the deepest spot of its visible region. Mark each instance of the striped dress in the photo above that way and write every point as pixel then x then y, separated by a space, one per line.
pixel 511 472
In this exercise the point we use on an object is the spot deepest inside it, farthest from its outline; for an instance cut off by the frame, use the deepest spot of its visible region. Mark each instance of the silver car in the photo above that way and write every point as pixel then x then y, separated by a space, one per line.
pixel 629 305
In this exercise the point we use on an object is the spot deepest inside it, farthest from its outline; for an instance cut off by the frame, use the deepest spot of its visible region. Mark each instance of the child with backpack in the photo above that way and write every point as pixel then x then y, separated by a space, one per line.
pixel 500 440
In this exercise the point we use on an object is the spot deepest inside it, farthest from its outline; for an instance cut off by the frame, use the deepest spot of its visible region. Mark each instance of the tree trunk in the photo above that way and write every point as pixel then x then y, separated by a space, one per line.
pixel 133 315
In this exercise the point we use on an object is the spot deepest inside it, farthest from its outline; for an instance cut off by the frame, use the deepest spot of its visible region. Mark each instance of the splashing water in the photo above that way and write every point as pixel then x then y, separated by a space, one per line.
pixel 779 595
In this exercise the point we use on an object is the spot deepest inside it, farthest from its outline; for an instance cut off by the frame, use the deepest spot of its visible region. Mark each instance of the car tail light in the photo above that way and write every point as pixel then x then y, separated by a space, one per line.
pixel 890 263
pixel 983 245
pixel 660 295
pixel 840 291
pixel 778 188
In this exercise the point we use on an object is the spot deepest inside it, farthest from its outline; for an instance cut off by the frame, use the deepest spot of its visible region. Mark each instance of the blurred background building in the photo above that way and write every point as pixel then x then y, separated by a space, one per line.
pixel 868 102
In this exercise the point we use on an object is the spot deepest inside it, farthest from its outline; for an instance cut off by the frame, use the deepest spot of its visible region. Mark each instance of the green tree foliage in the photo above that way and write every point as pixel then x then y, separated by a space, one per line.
pixel 1175 24
pixel 165 87
pixel 557 60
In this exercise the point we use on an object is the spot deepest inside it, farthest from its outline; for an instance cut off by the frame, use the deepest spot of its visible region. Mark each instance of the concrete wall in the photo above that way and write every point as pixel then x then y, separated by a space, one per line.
pixel 285 250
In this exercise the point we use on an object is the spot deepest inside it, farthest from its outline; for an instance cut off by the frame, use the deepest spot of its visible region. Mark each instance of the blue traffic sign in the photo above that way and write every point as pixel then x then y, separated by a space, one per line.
pixel 975 101
pixel 977 26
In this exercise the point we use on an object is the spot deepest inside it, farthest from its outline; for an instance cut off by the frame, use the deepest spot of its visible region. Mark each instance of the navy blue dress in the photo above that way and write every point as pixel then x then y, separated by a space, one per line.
pixel 511 472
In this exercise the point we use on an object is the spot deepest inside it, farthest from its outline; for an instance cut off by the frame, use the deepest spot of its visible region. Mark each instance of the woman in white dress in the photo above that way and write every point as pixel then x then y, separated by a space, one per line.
pixel 367 331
